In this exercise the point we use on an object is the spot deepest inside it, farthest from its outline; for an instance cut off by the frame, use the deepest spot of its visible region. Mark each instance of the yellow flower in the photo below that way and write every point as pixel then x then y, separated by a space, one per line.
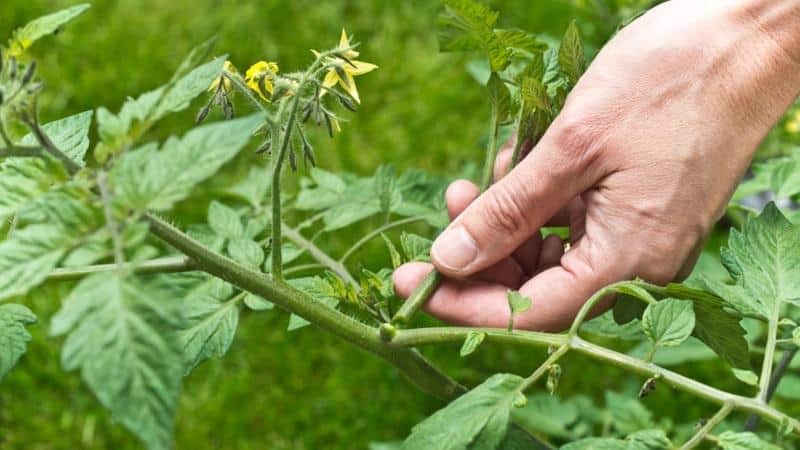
pixel 227 85
pixel 343 71
pixel 259 78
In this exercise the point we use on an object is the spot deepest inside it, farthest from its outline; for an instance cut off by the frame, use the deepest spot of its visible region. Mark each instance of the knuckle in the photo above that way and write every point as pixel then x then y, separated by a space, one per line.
pixel 579 141
pixel 506 210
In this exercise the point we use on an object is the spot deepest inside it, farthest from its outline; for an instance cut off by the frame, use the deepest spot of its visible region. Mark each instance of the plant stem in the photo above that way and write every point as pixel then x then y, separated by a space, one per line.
pixel 708 427
pixel 374 233
pixel 414 337
pixel 752 422
pixel 534 377
pixel 418 370
pixel 316 253
pixel 491 153
pixel 769 359
pixel 160 265
pixel 20 151
pixel 418 298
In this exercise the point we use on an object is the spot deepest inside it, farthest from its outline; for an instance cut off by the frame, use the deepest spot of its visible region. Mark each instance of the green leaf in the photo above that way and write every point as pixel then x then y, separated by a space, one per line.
pixel 24 37
pixel 464 25
pixel 517 303
pixel 397 260
pixel 416 248
pixel 70 135
pixel 718 329
pixel 746 376
pixel 519 39
pixel 669 322
pixel 29 255
pixel 500 97
pixel 257 303
pixel 597 444
pixel 225 221
pixel 471 343
pixel 730 440
pixel 649 440
pixel 13 335
pixel 477 420
pixel 627 413
pixel 253 188
pixel 570 53
pixel 318 290
pixel 117 130
pixel 213 318
pixel 23 180
pixel 156 179
pixel 763 260
pixel 548 415
pixel 247 252
pixel 122 333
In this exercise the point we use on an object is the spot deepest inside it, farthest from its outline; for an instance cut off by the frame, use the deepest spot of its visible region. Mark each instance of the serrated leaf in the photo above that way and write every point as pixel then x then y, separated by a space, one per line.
pixel 764 262
pixel 463 24
pixel 122 333
pixel 649 440
pixel 13 335
pixel 316 288
pixel 247 252
pixel 114 129
pixel 499 96
pixel 225 221
pixel 23 180
pixel 416 248
pixel 213 318
pixel 397 260
pixel 70 135
pixel 29 255
pixel 597 444
pixel 730 440
pixel 627 413
pixel 519 39
pixel 471 343
pixel 478 420
pixel 24 37
pixel 669 322
pixel 570 53
pixel 157 179
pixel 253 188
pixel 548 415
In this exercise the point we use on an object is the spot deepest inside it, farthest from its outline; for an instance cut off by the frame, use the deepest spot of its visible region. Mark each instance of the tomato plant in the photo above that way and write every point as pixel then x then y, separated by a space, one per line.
pixel 150 299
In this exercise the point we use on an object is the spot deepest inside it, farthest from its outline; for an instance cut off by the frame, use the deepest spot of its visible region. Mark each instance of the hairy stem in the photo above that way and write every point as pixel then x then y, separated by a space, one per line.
pixel 418 298
pixel 316 253
pixel 160 265
pixel 374 233
pixel 534 377
pixel 708 427
pixel 491 152
pixel 418 370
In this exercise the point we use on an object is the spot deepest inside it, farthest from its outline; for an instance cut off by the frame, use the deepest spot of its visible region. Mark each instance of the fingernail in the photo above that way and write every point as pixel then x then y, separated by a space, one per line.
pixel 455 249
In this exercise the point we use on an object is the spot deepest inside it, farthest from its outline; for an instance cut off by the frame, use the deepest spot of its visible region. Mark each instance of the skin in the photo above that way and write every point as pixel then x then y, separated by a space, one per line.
pixel 640 164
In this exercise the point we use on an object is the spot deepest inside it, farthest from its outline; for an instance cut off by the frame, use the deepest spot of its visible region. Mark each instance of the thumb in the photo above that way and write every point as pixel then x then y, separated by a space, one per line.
pixel 506 215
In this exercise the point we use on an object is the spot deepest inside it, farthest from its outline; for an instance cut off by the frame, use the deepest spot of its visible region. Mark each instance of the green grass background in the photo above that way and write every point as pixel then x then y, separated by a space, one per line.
pixel 278 390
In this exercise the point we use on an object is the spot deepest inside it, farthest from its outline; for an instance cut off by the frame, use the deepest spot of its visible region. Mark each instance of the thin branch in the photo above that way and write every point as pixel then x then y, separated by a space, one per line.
pixel 374 233
pixel 769 358
pixel 777 375
pixel 316 253
pixel 534 377
pixel 154 266
pixel 708 427
pixel 20 151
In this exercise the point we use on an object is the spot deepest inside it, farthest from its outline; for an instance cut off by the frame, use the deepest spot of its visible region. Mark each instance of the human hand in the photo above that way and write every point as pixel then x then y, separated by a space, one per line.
pixel 639 164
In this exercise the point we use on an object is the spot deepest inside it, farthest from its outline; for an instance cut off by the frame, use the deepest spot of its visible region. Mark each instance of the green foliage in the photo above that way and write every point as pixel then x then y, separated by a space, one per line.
pixel 730 440
pixel 13 335
pixel 122 333
pixel 570 54
pixel 471 343
pixel 477 420
pixel 70 134
pixel 669 322
pixel 24 37
pixel 212 313
pixel 517 304
pixel 153 178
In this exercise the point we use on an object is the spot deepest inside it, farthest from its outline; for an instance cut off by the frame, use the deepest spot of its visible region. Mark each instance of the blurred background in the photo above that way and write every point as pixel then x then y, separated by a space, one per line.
pixel 278 390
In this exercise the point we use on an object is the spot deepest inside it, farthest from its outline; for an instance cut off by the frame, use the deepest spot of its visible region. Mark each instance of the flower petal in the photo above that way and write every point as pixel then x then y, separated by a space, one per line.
pixel 359 67
pixel 350 87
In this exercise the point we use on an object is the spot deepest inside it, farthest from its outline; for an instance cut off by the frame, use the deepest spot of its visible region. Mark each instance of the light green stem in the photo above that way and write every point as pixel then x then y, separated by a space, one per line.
pixel 491 152
pixel 708 427
pixel 374 233
pixel 769 359
pixel 160 265
pixel 542 369
pixel 418 298
pixel 319 255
